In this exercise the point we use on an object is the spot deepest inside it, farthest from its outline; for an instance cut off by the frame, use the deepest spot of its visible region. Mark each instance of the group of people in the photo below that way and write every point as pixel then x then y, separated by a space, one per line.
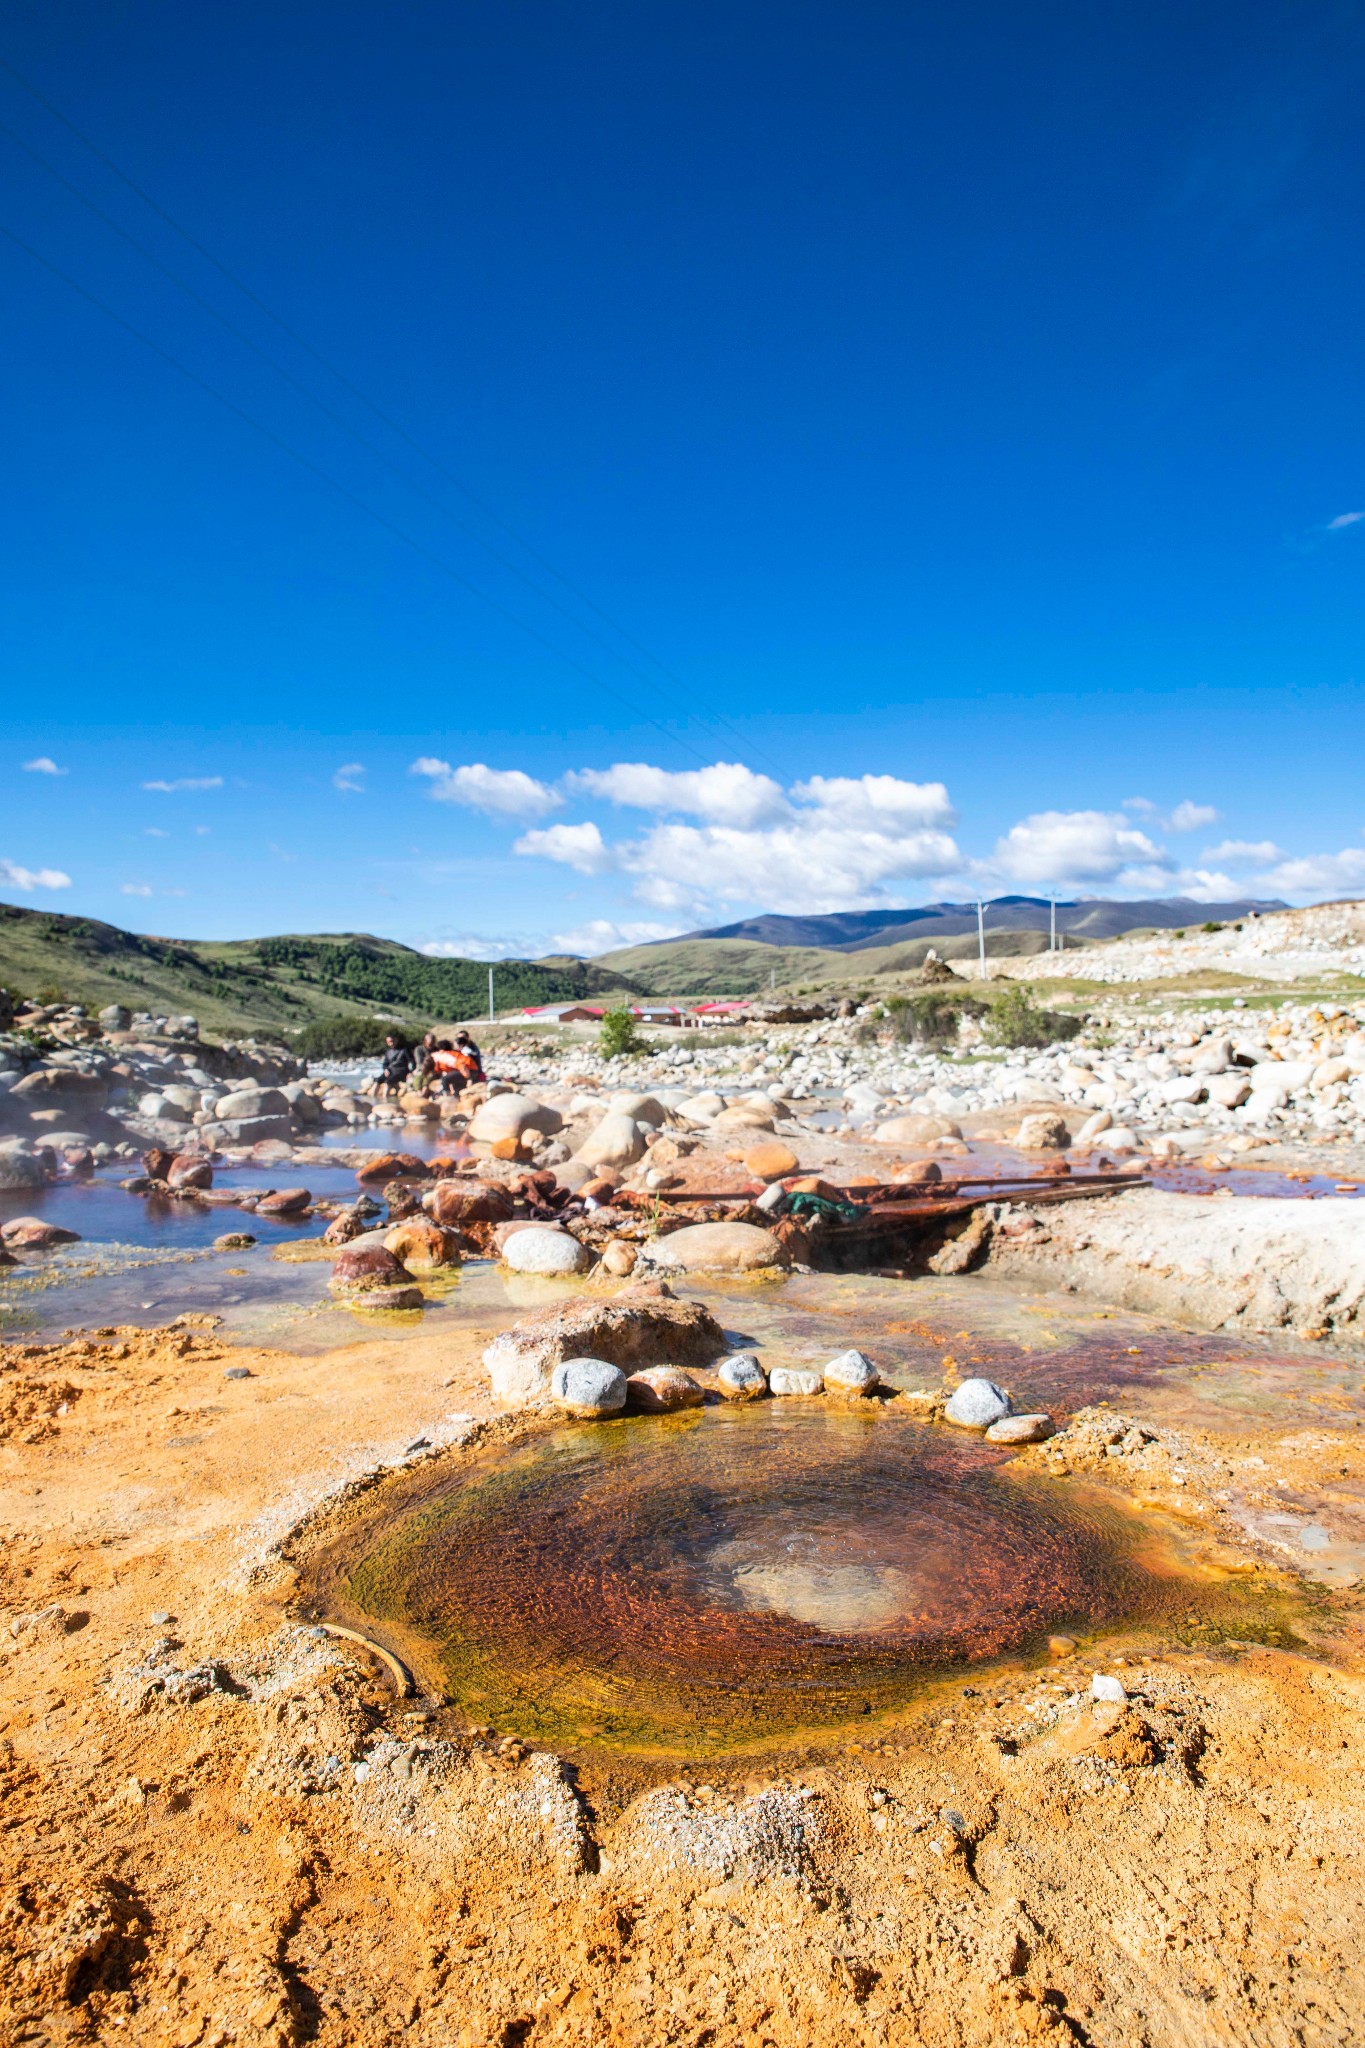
pixel 437 1066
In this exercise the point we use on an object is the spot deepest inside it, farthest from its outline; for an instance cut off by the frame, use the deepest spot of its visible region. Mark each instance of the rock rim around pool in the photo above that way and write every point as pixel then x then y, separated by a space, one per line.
pixel 852 1374
pixel 588 1387
pixel 662 1390
pixel 640 1326
pixel 540 1248
pixel 1021 1429
pixel 795 1382
pixel 716 1248
pixel 976 1404
pixel 741 1378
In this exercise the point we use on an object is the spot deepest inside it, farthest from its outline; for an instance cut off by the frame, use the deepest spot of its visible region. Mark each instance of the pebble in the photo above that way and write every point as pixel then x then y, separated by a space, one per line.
pixel 158 1617
pixel 234 1241
pixel 741 1377
pixel 976 1404
pixel 588 1387
pixel 1021 1429
pixel 237 1372
pixel 791 1379
pixel 851 1373
pixel 1103 1687
pixel 663 1389
pixel 541 1249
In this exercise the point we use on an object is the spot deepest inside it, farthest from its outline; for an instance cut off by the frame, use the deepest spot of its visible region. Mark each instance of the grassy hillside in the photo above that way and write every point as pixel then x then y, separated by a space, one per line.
pixel 268 986
pixel 717 967
pixel 741 967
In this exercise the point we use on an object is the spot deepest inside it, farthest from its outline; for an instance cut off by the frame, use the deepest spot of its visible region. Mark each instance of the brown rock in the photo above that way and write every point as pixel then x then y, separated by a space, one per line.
pixel 918 1173
pixel 1045 1131
pixel 388 1298
pixel 423 1246
pixel 415 1105
pixel 619 1258
pixel 158 1162
pixel 459 1203
pixel 284 1202
pixel 393 1166
pixel 661 1390
pixel 31 1234
pixel 189 1170
pixel 371 1265
pixel 640 1326
pixel 344 1228
pixel 772 1161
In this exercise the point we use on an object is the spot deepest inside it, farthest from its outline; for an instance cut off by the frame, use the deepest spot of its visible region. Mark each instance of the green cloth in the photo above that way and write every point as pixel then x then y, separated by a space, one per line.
pixel 814 1206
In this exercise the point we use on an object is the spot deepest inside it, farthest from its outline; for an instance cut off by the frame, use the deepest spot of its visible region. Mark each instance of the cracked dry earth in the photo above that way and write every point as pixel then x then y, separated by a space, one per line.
pixel 219 1825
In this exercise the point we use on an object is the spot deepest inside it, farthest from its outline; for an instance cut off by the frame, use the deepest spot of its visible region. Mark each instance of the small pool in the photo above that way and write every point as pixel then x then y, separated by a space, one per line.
pixel 732 1578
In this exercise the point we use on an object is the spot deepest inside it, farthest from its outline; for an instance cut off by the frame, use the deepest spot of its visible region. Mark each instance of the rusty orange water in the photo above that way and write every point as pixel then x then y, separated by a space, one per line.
pixel 733 1577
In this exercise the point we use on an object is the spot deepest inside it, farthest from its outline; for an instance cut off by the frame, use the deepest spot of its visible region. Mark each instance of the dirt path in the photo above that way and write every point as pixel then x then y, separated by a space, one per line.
pixel 221 1826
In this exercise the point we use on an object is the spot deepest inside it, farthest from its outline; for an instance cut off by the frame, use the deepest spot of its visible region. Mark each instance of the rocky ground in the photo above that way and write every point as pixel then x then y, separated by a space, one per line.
pixel 223 1824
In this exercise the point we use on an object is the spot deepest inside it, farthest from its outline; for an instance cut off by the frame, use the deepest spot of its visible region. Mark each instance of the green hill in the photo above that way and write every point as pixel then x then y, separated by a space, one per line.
pixel 269 986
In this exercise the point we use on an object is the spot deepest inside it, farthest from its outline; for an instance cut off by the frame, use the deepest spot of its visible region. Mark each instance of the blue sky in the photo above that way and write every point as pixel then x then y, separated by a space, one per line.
pixel 784 457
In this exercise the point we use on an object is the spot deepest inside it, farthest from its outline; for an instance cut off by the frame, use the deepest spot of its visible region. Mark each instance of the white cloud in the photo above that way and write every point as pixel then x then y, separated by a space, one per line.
pixel 15 877
pixel 186 782
pixel 810 863
pixel 1142 805
pixel 350 776
pixel 601 935
pixel 1344 519
pixel 502 792
pixel 1244 852
pixel 1188 817
pixel 202 831
pixel 478 946
pixel 878 803
pixel 136 889
pixel 726 793
pixel 1317 873
pixel 44 765
pixel 155 832
pixel 1073 846
pixel 574 846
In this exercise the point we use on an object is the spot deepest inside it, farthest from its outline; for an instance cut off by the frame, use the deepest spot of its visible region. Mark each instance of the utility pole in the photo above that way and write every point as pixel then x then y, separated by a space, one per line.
pixel 492 1013
pixel 1053 945
pixel 981 935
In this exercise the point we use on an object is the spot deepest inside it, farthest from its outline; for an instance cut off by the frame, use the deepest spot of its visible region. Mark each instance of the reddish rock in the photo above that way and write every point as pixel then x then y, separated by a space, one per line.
pixel 423 1246
pixel 473 1207
pixel 189 1170
pixel 284 1202
pixel 394 1166
pixel 158 1162
pixel 344 1228
pixel 770 1161
pixel 372 1265
pixel 661 1390
pixel 31 1234
pixel 921 1172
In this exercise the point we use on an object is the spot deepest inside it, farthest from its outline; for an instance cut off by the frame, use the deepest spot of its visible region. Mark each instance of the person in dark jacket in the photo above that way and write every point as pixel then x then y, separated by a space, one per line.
pixel 395 1067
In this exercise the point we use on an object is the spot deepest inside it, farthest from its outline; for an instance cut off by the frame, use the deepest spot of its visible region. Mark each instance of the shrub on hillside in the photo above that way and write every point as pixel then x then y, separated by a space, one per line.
pixel 1014 1020
pixel 618 1035
pixel 342 1038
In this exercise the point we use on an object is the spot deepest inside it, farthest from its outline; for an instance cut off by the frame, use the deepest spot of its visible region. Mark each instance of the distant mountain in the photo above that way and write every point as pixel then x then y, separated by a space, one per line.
pixel 851 931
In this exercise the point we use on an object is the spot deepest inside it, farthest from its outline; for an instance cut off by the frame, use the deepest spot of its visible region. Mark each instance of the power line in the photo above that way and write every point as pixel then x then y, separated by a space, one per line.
pixel 712 717
pixel 333 483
